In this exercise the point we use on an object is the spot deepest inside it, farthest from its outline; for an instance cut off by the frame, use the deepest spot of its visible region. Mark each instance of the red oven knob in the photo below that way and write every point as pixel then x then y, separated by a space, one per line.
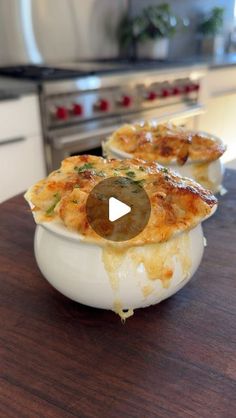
pixel 125 101
pixel 103 105
pixel 176 91
pixel 189 88
pixel 77 109
pixel 152 95
pixel 165 93
pixel 62 113
pixel 196 87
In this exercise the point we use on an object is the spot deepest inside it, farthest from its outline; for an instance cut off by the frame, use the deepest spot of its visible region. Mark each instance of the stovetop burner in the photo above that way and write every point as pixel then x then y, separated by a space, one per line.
pixel 70 70
pixel 38 72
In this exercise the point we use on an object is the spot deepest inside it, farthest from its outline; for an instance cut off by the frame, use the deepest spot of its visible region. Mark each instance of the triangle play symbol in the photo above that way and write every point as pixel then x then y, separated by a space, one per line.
pixel 117 209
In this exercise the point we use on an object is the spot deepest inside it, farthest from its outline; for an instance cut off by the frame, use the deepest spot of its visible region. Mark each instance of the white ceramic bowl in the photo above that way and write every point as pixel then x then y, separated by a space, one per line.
pixel 209 175
pixel 79 269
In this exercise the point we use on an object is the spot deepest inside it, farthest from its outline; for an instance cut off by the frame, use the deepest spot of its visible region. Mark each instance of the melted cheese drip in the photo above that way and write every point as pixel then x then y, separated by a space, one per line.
pixel 147 290
pixel 112 258
pixel 123 313
pixel 200 172
pixel 158 260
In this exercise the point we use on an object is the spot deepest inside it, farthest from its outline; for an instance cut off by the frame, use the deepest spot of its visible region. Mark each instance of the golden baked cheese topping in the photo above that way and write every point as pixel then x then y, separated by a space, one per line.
pixel 165 143
pixel 177 203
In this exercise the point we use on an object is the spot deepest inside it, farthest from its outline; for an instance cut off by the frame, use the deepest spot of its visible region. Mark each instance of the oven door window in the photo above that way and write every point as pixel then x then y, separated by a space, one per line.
pixel 94 151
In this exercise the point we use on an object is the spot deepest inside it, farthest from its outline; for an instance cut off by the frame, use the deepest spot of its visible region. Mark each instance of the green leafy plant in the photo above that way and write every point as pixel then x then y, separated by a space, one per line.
pixel 125 32
pixel 154 22
pixel 213 23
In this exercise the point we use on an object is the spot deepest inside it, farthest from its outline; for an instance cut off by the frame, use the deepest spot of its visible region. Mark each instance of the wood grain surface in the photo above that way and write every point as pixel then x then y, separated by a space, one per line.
pixel 62 359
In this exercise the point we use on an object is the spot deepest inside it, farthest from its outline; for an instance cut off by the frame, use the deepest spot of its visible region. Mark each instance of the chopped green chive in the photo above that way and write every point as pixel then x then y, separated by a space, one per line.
pixel 86 166
pixel 90 167
pixel 50 210
pixel 122 181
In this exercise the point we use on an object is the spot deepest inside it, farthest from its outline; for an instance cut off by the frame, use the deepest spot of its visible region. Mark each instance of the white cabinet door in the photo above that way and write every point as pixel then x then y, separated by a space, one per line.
pixel 21 164
pixel 19 117
pixel 220 120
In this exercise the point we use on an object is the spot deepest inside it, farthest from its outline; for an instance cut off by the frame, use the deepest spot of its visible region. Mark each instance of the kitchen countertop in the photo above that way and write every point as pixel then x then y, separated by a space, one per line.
pixel 173 360
pixel 213 63
pixel 11 88
pixel 226 60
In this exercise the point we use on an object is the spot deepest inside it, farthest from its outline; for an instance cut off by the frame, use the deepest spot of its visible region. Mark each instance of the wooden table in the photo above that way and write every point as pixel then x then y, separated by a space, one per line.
pixel 62 359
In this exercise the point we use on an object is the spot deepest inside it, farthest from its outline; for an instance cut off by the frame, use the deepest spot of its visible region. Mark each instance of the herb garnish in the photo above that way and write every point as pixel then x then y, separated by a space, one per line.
pixel 50 210
pixel 86 166
pixel 122 181
pixel 90 167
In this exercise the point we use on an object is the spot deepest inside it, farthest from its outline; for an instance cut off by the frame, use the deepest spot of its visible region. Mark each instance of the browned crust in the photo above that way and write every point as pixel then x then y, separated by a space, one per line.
pixel 166 143
pixel 177 203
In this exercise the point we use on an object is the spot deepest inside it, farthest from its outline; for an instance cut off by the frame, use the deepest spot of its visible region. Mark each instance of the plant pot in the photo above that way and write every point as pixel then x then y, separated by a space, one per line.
pixel 213 45
pixel 153 48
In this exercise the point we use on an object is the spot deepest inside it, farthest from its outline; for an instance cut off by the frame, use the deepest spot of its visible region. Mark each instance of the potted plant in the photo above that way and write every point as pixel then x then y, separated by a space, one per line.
pixel 153 29
pixel 210 30
pixel 149 32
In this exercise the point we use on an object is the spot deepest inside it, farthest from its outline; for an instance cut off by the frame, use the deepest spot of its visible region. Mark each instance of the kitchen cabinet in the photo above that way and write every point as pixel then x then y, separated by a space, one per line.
pixel 21 164
pixel 219 118
pixel 21 146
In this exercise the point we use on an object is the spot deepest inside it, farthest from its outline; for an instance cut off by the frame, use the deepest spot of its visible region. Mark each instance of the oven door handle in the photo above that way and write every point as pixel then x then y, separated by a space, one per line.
pixel 65 141
pixel 189 113
pixel 181 114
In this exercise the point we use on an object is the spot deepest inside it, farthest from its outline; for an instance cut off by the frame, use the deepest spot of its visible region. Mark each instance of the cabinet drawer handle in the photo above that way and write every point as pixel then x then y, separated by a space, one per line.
pixel 12 140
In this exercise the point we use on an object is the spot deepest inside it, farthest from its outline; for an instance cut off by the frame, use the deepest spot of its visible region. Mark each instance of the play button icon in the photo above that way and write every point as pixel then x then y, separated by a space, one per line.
pixel 118 208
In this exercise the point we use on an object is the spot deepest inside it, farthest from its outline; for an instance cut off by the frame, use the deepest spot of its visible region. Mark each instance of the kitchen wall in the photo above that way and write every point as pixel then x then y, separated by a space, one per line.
pixel 65 30
pixel 184 43
pixel 58 30
pixel 70 29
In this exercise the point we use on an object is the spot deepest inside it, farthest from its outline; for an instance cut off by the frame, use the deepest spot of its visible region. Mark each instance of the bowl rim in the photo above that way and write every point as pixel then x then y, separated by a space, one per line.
pixel 57 228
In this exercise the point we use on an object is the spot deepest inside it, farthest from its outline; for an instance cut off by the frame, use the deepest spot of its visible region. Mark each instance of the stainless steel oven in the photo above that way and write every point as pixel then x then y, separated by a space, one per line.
pixel 79 114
